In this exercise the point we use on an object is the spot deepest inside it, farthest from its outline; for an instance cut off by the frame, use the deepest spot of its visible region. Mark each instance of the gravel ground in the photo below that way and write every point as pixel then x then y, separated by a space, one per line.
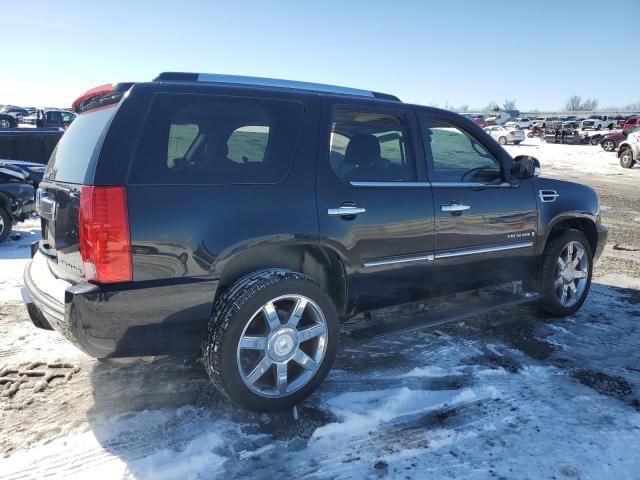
pixel 509 395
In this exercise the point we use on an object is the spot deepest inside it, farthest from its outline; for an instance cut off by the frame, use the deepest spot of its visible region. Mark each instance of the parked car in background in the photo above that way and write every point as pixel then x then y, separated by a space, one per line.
pixel 54 118
pixel 15 112
pixel 260 288
pixel 505 135
pixel 571 122
pixel 519 122
pixel 629 150
pixel 34 170
pixel 7 121
pixel 631 122
pixel 498 119
pixel 598 122
pixel 17 200
pixel 610 141
pixel 479 120
pixel 546 122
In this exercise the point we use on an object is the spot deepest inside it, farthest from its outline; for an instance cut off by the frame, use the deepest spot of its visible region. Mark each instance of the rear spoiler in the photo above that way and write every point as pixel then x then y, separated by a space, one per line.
pixel 100 96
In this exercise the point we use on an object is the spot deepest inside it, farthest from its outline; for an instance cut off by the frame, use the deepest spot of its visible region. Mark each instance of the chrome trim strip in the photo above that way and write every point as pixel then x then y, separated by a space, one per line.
pixel 274 82
pixel 478 250
pixel 469 185
pixel 390 184
pixel 395 260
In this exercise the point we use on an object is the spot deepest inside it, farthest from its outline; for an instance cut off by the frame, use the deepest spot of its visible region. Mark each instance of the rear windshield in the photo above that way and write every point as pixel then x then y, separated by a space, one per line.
pixel 72 160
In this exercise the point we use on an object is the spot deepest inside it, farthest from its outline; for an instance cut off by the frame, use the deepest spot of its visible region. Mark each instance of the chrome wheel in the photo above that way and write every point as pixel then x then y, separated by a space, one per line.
pixel 608 146
pixel 282 346
pixel 4 123
pixel 572 273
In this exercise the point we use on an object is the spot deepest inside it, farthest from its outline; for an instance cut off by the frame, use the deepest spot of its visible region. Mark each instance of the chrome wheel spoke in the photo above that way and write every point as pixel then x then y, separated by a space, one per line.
pixel 253 343
pixel 311 332
pixel 559 282
pixel 260 369
pixel 573 289
pixel 281 378
pixel 570 252
pixel 561 263
pixel 296 314
pixel 580 274
pixel 305 361
pixel 563 298
pixel 271 316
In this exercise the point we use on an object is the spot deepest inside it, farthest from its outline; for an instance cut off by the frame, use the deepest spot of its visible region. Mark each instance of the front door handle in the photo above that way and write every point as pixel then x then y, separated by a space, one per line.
pixel 455 207
pixel 345 211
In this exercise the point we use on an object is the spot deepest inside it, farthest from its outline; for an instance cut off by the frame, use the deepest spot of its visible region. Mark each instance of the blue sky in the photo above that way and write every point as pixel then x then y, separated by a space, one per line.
pixel 461 52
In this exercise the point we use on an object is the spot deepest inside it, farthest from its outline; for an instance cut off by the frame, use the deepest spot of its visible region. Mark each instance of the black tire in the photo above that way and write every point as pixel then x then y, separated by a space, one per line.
pixel 502 140
pixel 5 224
pixel 608 145
pixel 626 158
pixel 595 140
pixel 550 302
pixel 232 313
pixel 517 142
pixel 7 121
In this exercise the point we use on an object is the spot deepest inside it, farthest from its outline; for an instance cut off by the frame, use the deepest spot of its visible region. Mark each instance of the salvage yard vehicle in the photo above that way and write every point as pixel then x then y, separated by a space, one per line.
pixel 598 122
pixel 17 201
pixel 316 203
pixel 519 122
pixel 611 140
pixel 629 150
pixel 505 135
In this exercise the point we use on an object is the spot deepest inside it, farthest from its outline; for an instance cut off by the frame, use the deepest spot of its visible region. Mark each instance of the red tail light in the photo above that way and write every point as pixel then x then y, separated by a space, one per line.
pixel 512 132
pixel 105 242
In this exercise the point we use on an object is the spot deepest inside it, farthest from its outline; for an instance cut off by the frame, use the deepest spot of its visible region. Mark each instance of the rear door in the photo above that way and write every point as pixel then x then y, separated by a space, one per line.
pixel 485 226
pixel 374 204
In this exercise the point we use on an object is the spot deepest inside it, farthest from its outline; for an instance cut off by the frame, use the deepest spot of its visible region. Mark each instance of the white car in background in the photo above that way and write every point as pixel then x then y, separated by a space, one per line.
pixel 519 122
pixel 505 135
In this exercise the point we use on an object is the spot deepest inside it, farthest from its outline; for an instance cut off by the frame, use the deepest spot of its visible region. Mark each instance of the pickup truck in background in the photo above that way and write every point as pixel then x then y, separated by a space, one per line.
pixel 598 122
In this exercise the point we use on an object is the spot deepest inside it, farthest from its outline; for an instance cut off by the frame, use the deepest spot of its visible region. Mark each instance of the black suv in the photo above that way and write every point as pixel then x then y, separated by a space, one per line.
pixel 246 218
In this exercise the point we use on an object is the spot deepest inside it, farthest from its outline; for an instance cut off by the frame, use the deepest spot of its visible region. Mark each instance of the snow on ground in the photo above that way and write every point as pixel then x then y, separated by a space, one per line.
pixel 509 395
pixel 15 253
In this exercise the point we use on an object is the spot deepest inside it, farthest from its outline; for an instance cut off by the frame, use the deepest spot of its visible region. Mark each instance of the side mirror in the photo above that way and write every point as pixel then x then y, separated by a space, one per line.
pixel 525 167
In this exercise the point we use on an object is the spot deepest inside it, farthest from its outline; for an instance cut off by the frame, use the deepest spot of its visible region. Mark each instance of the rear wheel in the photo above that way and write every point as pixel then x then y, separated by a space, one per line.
pixel 6 122
pixel 271 340
pixel 565 276
pixel 502 140
pixel 5 224
pixel 626 158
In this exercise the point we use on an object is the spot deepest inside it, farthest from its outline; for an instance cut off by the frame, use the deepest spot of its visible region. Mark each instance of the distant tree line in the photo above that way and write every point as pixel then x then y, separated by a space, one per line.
pixel 575 103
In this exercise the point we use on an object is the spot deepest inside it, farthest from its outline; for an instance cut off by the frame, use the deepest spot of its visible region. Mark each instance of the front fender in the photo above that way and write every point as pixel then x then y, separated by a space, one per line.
pixel 574 202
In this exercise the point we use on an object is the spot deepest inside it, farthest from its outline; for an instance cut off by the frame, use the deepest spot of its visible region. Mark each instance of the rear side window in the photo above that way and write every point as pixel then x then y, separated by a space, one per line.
pixel 370 147
pixel 73 159
pixel 216 140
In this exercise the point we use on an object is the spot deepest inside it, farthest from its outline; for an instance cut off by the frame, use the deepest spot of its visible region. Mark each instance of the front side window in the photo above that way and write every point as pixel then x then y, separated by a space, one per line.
pixel 370 147
pixel 205 139
pixel 458 157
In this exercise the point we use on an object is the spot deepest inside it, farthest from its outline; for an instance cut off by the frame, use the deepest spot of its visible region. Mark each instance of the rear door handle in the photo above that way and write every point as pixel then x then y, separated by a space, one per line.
pixel 455 207
pixel 345 211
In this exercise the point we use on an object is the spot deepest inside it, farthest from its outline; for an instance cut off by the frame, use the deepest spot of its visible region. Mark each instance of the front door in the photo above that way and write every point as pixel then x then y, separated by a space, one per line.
pixel 485 226
pixel 374 204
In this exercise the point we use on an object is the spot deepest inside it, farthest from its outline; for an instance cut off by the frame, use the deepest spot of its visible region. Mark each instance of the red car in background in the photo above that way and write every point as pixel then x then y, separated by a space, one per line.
pixel 478 120
pixel 630 122
pixel 611 140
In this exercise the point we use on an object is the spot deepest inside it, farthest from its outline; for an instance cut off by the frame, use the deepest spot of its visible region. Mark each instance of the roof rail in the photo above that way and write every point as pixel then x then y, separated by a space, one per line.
pixel 269 82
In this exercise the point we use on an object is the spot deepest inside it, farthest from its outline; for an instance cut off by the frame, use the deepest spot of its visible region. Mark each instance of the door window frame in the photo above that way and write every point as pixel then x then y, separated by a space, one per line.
pixel 423 119
pixel 409 121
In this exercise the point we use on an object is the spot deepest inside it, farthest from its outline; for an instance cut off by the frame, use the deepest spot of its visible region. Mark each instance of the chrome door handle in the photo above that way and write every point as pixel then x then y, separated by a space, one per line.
pixel 345 211
pixel 455 207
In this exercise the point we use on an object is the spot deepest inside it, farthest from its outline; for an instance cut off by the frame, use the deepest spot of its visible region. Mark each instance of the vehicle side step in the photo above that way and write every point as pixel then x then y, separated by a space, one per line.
pixel 439 312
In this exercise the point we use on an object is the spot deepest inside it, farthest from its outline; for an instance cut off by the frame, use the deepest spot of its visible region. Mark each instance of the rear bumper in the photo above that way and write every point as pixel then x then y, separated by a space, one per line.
pixel 121 320
pixel 603 233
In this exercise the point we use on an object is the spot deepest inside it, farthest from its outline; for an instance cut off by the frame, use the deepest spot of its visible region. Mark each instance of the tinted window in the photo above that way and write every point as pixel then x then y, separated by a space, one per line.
pixel 206 139
pixel 370 147
pixel 457 157
pixel 72 159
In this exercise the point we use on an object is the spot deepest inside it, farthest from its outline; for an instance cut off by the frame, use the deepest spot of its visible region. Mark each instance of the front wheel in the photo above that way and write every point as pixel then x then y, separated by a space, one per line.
pixel 626 158
pixel 565 276
pixel 5 224
pixel 502 140
pixel 608 145
pixel 271 340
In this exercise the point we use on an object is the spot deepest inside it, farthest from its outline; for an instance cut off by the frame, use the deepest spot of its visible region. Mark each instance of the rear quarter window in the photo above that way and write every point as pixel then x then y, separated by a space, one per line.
pixel 216 140
pixel 73 160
